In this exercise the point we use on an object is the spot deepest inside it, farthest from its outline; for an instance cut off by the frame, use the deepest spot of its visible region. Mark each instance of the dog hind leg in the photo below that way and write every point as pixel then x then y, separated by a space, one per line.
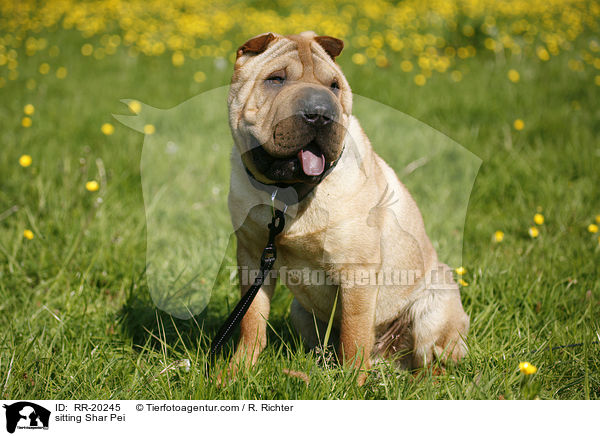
pixel 438 325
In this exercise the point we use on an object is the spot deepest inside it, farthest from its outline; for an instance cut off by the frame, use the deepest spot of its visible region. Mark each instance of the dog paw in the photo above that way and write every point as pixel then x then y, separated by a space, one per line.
pixel 362 377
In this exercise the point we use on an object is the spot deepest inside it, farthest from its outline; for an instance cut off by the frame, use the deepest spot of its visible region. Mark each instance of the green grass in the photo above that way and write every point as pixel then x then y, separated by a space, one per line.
pixel 76 316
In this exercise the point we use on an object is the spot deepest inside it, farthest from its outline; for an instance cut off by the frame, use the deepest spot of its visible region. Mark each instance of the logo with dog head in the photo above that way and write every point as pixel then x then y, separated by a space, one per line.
pixel 26 415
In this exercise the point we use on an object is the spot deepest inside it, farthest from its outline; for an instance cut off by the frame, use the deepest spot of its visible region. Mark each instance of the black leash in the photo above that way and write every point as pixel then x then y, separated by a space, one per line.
pixel 269 255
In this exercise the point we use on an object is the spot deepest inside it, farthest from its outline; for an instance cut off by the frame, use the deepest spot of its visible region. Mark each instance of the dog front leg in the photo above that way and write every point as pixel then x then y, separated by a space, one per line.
pixel 357 332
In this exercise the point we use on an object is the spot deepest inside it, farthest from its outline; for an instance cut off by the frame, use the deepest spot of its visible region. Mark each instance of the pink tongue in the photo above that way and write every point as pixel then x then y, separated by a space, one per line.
pixel 312 164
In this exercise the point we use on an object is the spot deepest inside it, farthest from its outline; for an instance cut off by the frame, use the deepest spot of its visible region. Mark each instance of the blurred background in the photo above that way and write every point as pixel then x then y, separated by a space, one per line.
pixel 514 82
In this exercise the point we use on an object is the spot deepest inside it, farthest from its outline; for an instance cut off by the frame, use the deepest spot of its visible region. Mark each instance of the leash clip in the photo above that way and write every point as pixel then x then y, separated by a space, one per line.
pixel 273 197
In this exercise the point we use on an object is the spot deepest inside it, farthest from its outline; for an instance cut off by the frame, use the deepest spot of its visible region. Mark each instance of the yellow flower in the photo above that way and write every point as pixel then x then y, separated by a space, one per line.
pixel 534 232
pixel 593 228
pixel 381 61
pixel 462 52
pixel 61 73
pixel 527 368
pixel 25 160
pixel 420 80
pixel 359 59
pixel 406 66
pixel 598 219
pixel 87 49
pixel 538 218
pixel 26 122
pixel 461 270
pixel 468 30
pixel 518 124
pixel 149 129
pixel 178 59
pixel 28 234
pixel 199 77
pixel 92 186
pixel 513 76
pixel 29 109
pixel 456 76
pixel 498 236
pixel 107 129
pixel 135 106
pixel 462 282
pixel 543 53
pixel 44 68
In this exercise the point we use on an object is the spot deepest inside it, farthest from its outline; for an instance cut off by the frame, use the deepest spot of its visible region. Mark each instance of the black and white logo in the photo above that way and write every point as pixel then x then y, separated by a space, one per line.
pixel 26 415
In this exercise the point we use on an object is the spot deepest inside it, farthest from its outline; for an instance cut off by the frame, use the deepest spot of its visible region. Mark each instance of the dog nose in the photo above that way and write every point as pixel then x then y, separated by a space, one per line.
pixel 317 115
pixel 317 108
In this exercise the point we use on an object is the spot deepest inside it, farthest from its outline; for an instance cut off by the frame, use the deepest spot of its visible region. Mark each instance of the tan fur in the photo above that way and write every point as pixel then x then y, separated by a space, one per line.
pixel 340 228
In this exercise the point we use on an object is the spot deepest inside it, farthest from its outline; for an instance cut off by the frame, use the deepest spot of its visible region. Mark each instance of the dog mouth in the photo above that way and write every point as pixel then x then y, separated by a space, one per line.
pixel 307 165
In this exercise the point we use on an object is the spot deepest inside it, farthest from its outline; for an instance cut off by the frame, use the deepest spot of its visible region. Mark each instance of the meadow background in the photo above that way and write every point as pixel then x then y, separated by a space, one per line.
pixel 515 82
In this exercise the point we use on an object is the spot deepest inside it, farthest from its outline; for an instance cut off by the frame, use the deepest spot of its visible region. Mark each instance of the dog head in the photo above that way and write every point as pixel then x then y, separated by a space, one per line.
pixel 289 107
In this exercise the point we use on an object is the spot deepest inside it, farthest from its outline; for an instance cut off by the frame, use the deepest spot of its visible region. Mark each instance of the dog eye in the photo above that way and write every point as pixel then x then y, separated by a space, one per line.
pixel 335 86
pixel 276 79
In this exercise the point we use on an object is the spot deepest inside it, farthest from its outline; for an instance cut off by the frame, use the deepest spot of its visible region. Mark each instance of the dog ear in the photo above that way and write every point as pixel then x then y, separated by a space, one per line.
pixel 256 45
pixel 332 46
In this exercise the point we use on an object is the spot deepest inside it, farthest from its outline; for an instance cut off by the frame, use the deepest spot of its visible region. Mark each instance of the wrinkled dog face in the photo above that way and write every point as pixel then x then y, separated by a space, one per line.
pixel 289 106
